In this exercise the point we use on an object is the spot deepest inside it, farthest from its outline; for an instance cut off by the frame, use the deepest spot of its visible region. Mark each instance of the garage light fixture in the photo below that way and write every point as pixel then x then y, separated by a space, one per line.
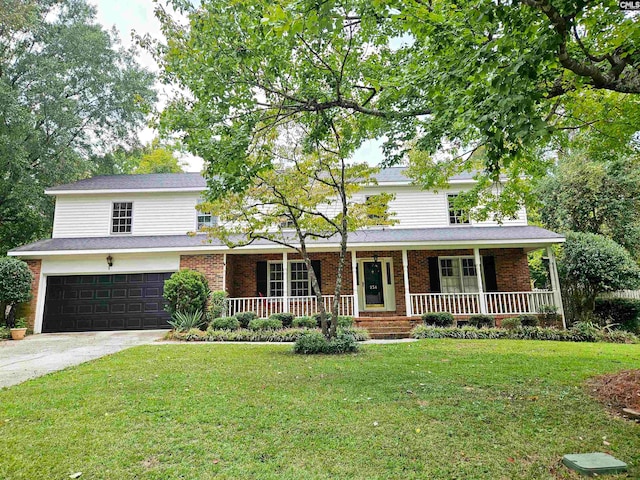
pixel 110 261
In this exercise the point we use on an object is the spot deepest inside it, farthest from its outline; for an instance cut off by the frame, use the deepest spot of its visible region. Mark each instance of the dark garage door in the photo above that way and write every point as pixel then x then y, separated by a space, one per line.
pixel 77 303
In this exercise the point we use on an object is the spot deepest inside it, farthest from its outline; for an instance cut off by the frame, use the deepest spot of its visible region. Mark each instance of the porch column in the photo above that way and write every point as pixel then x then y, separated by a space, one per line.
pixel 483 300
pixel 555 283
pixel 405 273
pixel 285 282
pixel 354 276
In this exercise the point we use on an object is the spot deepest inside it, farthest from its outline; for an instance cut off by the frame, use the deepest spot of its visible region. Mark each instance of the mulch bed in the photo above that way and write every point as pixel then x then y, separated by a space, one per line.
pixel 618 390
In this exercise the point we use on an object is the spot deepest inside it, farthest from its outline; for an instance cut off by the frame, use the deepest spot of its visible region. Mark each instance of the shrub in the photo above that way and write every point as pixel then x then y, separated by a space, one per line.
pixel 5 332
pixel 482 321
pixel 246 335
pixel 304 322
pixel 439 319
pixel 186 291
pixel 265 324
pixel 511 323
pixel 549 315
pixel 245 317
pixel 183 321
pixel 225 323
pixel 15 286
pixel 343 321
pixel 344 342
pixel 310 342
pixel 624 312
pixel 589 331
pixel 529 320
pixel 217 305
pixel 286 318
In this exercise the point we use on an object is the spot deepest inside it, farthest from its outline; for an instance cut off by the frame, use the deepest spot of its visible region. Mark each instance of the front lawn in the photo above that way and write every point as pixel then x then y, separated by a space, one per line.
pixel 445 409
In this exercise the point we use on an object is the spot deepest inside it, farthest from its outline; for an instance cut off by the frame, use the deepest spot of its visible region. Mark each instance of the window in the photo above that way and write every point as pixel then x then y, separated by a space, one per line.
pixel 456 216
pixel 458 275
pixel 299 282
pixel 121 217
pixel 205 219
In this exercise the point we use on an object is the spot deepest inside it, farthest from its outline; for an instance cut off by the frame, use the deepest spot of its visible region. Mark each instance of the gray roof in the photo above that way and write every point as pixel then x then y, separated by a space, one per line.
pixel 380 236
pixel 158 181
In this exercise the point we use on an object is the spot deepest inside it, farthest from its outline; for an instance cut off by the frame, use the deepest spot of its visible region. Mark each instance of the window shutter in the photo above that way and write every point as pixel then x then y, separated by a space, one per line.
pixel 434 275
pixel 490 279
pixel 261 279
pixel 317 269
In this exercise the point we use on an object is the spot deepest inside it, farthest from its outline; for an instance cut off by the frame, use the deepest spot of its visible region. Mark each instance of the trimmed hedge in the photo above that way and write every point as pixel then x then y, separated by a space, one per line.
pixel 511 323
pixel 480 321
pixel 625 312
pixel 304 322
pixel 439 319
pixel 314 342
pixel 245 335
pixel 265 324
pixel 225 323
pixel 186 291
pixel 286 318
pixel 526 333
pixel 245 317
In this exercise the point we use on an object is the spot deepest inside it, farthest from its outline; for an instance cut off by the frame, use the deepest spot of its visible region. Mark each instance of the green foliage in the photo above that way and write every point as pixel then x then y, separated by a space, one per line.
pixel 529 320
pixel 265 324
pixel 186 291
pixel 182 321
pixel 314 342
pixel 246 335
pixel 511 323
pixel 224 323
pixel 159 160
pixel 343 321
pixel 304 322
pixel 217 305
pixel 5 332
pixel 591 264
pixel 15 287
pixel 20 323
pixel 549 315
pixel 286 318
pixel 245 317
pixel 68 92
pixel 622 312
pixel 480 321
pixel 439 319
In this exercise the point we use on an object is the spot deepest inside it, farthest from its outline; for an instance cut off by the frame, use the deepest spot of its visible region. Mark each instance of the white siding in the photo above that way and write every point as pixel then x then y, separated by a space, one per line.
pixel 153 214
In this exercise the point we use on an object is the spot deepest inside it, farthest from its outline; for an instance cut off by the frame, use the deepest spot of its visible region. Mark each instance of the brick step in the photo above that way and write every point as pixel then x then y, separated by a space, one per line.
pixel 384 324
pixel 389 335
pixel 390 328
pixel 387 319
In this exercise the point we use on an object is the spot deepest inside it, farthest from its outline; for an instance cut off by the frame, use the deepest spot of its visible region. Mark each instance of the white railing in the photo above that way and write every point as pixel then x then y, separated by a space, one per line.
pixel 454 303
pixel 298 306
pixel 497 303
pixel 633 294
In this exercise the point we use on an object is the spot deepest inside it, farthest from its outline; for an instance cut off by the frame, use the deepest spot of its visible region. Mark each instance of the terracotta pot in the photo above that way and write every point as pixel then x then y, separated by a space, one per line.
pixel 18 333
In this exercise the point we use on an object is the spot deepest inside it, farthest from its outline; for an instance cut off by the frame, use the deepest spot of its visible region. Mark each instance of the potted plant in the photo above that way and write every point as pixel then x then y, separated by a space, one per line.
pixel 19 330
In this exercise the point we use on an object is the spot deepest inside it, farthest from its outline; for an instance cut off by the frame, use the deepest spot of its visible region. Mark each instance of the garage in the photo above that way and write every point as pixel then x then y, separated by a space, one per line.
pixel 78 303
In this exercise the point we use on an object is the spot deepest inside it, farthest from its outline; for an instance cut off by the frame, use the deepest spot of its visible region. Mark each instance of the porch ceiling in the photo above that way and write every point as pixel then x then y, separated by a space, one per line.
pixel 527 237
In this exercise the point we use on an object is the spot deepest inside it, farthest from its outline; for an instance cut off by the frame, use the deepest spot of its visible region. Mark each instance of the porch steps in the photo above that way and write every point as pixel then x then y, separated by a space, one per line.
pixel 387 327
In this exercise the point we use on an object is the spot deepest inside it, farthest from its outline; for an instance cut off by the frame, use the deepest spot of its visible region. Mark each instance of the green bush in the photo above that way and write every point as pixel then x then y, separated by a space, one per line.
pixel 186 291
pixel 622 312
pixel 225 323
pixel 304 322
pixel 286 318
pixel 529 320
pixel 549 316
pixel 314 342
pixel 217 305
pixel 265 324
pixel 343 321
pixel 183 321
pixel 246 335
pixel 344 342
pixel 245 317
pixel 439 319
pixel 480 321
pixel 15 286
pixel 5 332
pixel 589 331
pixel 511 323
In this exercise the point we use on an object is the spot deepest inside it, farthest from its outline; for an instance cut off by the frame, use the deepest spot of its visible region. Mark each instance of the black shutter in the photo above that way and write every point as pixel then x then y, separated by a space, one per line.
pixel 317 269
pixel 490 279
pixel 434 275
pixel 261 279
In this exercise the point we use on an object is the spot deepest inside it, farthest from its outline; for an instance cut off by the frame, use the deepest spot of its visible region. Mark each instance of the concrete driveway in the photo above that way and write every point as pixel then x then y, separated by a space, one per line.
pixel 38 355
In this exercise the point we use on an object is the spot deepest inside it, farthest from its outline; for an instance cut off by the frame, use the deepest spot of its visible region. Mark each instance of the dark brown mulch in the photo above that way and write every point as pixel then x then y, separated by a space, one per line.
pixel 618 390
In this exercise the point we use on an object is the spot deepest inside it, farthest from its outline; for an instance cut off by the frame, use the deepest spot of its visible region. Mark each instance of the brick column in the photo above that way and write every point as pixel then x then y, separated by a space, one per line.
pixel 210 265
pixel 28 309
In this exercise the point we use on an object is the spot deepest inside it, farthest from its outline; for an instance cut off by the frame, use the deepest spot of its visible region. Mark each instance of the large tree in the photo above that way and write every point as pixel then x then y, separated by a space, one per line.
pixel 68 92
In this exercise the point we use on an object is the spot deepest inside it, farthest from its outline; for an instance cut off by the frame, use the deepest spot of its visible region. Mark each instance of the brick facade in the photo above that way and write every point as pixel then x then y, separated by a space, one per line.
pixel 211 266
pixel 28 309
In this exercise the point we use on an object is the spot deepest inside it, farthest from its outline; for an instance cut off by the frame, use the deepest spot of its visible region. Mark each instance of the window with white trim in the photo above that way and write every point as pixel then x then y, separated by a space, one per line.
pixel 458 275
pixel 121 217
pixel 205 219
pixel 276 280
pixel 299 281
pixel 457 216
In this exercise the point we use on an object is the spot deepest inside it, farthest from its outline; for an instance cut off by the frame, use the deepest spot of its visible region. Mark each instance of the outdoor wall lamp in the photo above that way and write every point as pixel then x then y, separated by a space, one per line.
pixel 110 261
pixel 375 259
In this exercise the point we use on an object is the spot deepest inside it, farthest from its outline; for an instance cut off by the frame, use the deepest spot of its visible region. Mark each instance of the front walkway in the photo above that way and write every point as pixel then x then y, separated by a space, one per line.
pixel 38 355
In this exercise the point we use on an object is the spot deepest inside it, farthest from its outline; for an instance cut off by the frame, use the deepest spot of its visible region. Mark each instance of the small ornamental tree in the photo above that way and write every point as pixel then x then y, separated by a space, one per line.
pixel 186 291
pixel 591 264
pixel 15 287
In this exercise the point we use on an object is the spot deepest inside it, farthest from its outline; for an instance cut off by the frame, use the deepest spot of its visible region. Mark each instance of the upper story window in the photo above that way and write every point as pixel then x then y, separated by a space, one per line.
pixel 456 215
pixel 205 220
pixel 122 217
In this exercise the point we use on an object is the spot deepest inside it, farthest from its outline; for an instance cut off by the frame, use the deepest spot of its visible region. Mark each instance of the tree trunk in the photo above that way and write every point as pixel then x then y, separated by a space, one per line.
pixel 316 289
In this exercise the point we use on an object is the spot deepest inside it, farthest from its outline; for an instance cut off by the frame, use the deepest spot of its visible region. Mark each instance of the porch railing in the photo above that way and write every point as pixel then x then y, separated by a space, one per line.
pixel 497 303
pixel 298 306
pixel 633 294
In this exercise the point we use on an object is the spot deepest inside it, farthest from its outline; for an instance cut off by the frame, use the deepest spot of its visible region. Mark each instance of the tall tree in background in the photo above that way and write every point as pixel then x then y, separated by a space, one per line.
pixel 68 92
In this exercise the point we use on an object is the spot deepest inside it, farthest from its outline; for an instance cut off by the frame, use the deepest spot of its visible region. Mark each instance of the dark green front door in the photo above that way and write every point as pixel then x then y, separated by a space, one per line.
pixel 373 285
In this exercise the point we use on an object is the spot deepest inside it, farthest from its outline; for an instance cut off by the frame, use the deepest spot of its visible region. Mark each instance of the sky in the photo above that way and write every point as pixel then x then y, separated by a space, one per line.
pixel 137 15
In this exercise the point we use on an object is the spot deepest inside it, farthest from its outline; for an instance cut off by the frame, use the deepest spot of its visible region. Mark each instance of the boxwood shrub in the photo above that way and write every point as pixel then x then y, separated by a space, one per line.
pixel 245 317
pixel 511 323
pixel 480 321
pixel 304 322
pixel 265 324
pixel 225 323
pixel 314 342
pixel 439 319
pixel 625 312
pixel 246 335
pixel 529 320
pixel 186 291
pixel 286 318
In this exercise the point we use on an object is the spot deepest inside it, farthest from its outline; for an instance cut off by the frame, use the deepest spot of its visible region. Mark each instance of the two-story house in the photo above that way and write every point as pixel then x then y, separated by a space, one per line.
pixel 117 238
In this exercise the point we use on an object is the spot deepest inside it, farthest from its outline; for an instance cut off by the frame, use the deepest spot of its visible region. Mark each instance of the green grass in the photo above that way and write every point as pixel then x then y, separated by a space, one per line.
pixel 434 409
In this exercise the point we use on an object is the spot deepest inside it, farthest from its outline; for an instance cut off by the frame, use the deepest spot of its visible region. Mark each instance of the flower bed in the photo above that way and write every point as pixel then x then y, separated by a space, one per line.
pixel 247 335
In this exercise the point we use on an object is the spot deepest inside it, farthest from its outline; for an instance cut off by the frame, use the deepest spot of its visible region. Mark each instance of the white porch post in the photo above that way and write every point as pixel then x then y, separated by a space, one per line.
pixel 354 276
pixel 285 282
pixel 405 273
pixel 555 283
pixel 483 300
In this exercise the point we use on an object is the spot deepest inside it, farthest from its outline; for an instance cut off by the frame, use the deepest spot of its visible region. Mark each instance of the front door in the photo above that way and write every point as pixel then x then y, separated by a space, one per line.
pixel 376 291
pixel 373 284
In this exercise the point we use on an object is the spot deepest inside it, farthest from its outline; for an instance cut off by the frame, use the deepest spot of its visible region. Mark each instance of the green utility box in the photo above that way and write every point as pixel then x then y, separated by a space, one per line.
pixel 594 463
